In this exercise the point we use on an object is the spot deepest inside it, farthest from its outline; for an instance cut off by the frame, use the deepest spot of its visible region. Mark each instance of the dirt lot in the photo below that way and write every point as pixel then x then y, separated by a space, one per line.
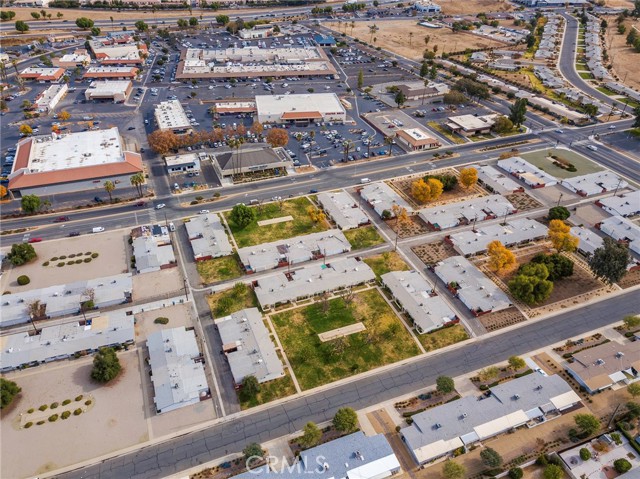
pixel 626 62
pixel 523 202
pixel 431 253
pixel 163 283
pixel 116 419
pixel 414 226
pixel 451 7
pixel 393 35
pixel 501 319
pixel 630 279
pixel 111 249
pixel 179 315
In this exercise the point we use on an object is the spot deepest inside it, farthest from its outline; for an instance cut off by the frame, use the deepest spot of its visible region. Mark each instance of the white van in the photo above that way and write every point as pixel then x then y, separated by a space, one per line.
pixel 365 180
pixel 97 229
pixel 172 227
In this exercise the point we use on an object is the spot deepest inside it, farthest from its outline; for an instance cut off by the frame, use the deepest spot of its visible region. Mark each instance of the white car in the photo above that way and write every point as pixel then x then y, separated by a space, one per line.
pixel 592 147
pixel 160 206
pixel 203 212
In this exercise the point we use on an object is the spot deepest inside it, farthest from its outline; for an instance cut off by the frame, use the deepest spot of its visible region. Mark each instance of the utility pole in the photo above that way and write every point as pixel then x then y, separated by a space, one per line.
pixel 186 291
pixel 560 199
pixel 615 193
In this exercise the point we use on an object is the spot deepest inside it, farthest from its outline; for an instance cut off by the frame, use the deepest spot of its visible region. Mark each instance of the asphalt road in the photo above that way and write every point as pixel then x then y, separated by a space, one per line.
pixel 234 433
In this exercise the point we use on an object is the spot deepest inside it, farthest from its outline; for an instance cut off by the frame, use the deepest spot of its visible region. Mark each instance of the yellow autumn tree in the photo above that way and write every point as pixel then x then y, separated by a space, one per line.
pixel 501 259
pixel 64 115
pixel 315 214
pixel 560 236
pixel 468 177
pixel 3 191
pixel 400 214
pixel 435 189
pixel 420 191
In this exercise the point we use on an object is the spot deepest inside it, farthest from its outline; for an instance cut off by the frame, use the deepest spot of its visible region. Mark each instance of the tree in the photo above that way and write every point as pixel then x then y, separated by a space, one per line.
pixel 420 191
pixel 515 473
pixel 468 177
pixel 277 137
pixel 163 141
pixel 360 79
pixel 256 128
pixel 585 454
pixel 193 22
pixel 531 285
pixel 636 112
pixel 242 216
pixel 516 363
pixel 21 253
pixel 106 365
pixel 502 124
pixel 445 384
pixel 182 23
pixel 631 322
pixel 22 26
pixel 222 19
pixel 35 15
pixel 400 98
pixel 95 31
pixel 64 115
pixel 250 388
pixel 7 15
pixel 84 23
pixel 454 98
pixel 560 236
pixel 109 186
pixel 453 470
pixel 433 72
pixel 501 259
pixel 137 180
pixel 491 458
pixel 141 26
pixel 609 262
pixel 621 465
pixel 553 472
pixel 558 213
pixel 30 204
pixel 587 423
pixel 252 453
pixel 472 88
pixel 557 265
pixel 634 389
pixel 25 129
pixel 8 391
pixel 3 191
pixel 518 111
pixel 311 435
pixel 345 420
pixel 424 69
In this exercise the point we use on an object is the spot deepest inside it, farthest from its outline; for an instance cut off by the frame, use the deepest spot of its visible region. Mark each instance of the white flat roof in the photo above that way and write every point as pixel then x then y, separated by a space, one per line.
pixel 594 183
pixel 108 87
pixel 87 148
pixel 50 93
pixel 325 103
pixel 106 69
pixel 170 114
pixel 623 205
pixel 343 209
pixel 184 159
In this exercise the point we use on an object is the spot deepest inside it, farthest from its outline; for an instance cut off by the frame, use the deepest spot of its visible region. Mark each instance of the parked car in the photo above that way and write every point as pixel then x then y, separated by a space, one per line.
pixel 74 233
pixel 35 240
pixel 203 212
pixel 140 203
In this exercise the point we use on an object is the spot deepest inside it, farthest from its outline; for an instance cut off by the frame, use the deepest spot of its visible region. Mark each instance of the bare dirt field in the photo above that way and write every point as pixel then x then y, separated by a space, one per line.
pixel 111 249
pixel 163 283
pixel 114 421
pixel 632 278
pixel 625 60
pixel 501 319
pixel 393 35
pixel 178 315
pixel 414 226
pixel 523 202
pixel 452 7
pixel 432 253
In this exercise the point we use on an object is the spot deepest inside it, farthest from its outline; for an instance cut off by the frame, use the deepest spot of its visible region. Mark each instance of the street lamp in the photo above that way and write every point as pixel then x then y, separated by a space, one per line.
pixel 559 199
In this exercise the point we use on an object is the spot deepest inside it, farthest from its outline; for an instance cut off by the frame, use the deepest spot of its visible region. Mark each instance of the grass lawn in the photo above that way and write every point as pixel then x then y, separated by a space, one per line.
pixel 219 269
pixel 582 67
pixel 363 237
pixel 606 91
pixel 446 133
pixel 270 391
pixel 443 337
pixel 231 300
pixel 315 363
pixel 300 225
pixel 586 75
pixel 582 164
pixel 386 262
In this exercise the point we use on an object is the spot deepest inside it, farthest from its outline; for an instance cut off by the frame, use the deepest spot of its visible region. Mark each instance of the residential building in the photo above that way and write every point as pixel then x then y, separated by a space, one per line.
pixel 116 91
pixel 589 241
pixel 622 230
pixel 471 286
pixel 623 90
pixel 311 280
pixel 416 139
pixel 79 58
pixel 531 175
pixel 343 209
pixel 170 116
pixel 292 251
pixel 185 163
pixel 624 205
pixel 416 297
pixel 495 181
pixel 251 159
pixel 65 299
pixel 63 341
pixel 467 212
pixel 511 233
pixel 469 125
pixel 525 401
pixel 355 456
pixel 254 62
pixel 51 164
pixel 48 99
pixel 152 248
pixel 247 344
pixel 112 73
pixel 177 369
pixel 300 109
pixel 258 31
pixel 594 183
pixel 208 237
pixel 603 366
pixel 382 198
pixel 42 75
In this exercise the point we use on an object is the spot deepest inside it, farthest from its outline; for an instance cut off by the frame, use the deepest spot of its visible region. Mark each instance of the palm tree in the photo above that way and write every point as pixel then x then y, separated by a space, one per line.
pixel 109 186
pixel 410 37
pixel 353 25
pixel 3 72
pixel 370 138
pixel 346 148
pixel 236 142
pixel 426 82
pixel 372 30
pixel 388 140
pixel 14 62
pixel 137 180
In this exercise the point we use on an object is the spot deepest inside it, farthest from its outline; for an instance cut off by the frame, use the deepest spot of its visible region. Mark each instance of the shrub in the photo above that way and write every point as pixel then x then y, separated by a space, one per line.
pixel 30 410
pixel 66 401
pixel 585 454
pixel 77 412
pixel 54 405
pixel 53 418
pixel 55 258
pixel 161 320
pixel 88 253
pixel 87 260
pixel 44 407
pixel 79 398
pixel 69 263
pixel 63 257
pixel 46 263
pixel 78 261
pixel 106 365
pixel 9 390
pixel 199 198
pixel 28 425
pixel 65 415
pixel 40 423
pixel 23 280
pixel 87 402
pixel 94 255
pixel 621 465
pixel 515 473
pixel 60 265
pixel 193 202
pixel 72 255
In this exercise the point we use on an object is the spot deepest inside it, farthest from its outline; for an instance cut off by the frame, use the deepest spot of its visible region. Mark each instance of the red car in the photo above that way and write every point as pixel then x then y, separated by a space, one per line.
pixel 61 219
pixel 140 203
pixel 35 240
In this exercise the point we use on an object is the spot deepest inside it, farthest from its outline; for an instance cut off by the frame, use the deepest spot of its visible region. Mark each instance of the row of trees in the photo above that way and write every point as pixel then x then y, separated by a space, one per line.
pixel 430 188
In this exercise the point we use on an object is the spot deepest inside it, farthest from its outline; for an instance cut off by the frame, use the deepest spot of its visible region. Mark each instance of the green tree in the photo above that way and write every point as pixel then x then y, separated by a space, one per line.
pixel 502 124
pixel 182 23
pixel 30 204
pixel 553 472
pixel 21 253
pixel 35 15
pixel 558 213
pixel 454 97
pixel 433 72
pixel 557 265
pixel 22 26
pixel 250 388
pixel 587 423
pixel 424 69
pixel 453 470
pixel 222 19
pixel 515 473
pixel 242 216
pixel 360 79
pixel 585 454
pixel 193 22
pixel 400 98
pixel 95 31
pixel 345 420
pixel 518 112
pixel 311 435
pixel 252 453
pixel 609 262
pixel 141 26
pixel 84 23
pixel 109 186
pixel 631 321
pixel 445 384
pixel 491 458
pixel 516 363
pixel 106 365
pixel 8 391
pixel 621 465
pixel 634 389
pixel 531 285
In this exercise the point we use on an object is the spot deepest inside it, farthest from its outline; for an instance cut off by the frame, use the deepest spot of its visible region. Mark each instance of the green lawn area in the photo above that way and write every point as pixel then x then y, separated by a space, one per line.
pixel 270 391
pixel 586 75
pixel 386 262
pixel 606 91
pixel 315 363
pixel 363 237
pixel 583 165
pixel 635 132
pixel 446 133
pixel 219 269
pixel 231 300
pixel 443 337
pixel 300 225
pixel 582 67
